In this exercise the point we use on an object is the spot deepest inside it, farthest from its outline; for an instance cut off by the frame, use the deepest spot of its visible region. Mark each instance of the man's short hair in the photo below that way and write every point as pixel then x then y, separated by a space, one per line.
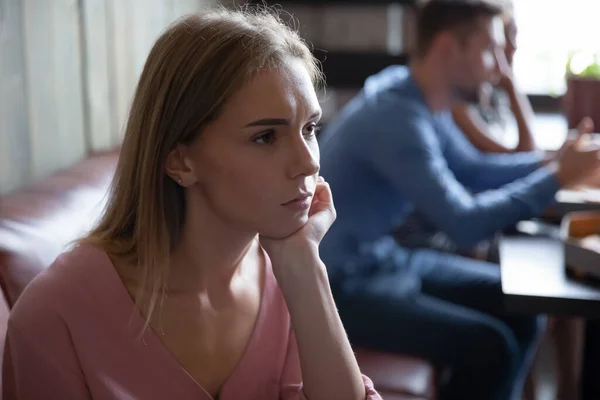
pixel 436 16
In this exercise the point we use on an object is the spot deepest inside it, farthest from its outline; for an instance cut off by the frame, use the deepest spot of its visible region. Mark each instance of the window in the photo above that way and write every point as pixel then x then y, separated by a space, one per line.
pixel 548 32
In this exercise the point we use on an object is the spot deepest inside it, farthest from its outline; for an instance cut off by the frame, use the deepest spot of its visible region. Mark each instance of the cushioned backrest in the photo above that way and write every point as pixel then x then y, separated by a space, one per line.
pixel 38 222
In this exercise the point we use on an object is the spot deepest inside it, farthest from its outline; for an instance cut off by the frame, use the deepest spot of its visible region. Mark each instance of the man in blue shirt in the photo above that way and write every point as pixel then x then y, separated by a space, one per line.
pixel 394 149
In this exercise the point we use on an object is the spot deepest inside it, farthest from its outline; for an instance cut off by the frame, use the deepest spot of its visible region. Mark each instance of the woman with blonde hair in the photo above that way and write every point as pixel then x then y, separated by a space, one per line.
pixel 203 278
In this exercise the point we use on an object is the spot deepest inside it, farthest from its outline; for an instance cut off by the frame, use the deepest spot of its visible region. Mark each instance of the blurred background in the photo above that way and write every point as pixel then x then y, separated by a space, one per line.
pixel 68 67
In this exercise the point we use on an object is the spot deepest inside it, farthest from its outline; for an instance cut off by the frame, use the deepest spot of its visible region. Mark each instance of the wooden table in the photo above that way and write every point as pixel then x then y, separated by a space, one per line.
pixel 534 278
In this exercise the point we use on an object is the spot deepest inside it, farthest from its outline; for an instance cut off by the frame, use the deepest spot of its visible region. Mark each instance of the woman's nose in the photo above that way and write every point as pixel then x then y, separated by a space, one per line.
pixel 304 158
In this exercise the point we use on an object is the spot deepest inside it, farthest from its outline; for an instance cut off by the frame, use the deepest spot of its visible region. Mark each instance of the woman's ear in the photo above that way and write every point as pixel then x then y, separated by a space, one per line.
pixel 179 166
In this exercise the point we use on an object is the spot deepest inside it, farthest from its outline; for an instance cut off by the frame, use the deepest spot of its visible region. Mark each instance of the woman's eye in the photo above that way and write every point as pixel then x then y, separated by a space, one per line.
pixel 265 138
pixel 312 130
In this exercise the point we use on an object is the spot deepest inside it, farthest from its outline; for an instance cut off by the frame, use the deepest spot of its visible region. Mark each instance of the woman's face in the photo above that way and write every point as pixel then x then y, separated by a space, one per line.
pixel 256 166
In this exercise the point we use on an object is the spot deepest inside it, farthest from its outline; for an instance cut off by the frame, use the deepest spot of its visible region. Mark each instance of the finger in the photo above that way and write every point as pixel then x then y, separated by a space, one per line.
pixel 322 199
pixel 323 192
pixel 317 195
pixel 572 136
pixel 580 138
pixel 586 125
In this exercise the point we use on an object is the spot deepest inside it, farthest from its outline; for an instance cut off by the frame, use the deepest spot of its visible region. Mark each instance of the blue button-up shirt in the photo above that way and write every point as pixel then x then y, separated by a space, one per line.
pixel 387 153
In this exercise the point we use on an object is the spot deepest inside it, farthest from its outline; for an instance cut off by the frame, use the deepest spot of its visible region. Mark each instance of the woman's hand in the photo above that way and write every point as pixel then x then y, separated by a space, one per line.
pixel 328 365
pixel 304 242
pixel 504 77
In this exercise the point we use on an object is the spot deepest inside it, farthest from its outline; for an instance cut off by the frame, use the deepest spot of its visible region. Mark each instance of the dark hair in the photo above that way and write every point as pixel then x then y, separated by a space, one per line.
pixel 436 16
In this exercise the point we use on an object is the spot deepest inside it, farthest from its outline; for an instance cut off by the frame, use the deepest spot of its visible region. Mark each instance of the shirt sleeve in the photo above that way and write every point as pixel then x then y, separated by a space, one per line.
pixel 39 357
pixel 482 171
pixel 404 149
pixel 291 379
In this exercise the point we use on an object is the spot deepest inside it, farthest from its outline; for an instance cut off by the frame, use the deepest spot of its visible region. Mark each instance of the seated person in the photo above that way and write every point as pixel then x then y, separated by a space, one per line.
pixel 203 278
pixel 485 124
pixel 395 148
pixel 501 107
pixel 501 103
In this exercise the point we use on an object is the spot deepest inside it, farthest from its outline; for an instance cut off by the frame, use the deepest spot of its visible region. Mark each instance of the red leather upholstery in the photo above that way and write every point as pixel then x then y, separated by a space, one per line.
pixel 398 377
pixel 37 223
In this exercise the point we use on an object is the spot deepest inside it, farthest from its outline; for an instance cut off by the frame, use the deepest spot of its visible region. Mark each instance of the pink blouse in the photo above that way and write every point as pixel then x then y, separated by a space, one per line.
pixel 74 334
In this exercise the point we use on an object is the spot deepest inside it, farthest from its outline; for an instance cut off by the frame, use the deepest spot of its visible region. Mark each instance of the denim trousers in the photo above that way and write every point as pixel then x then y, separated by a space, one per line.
pixel 443 308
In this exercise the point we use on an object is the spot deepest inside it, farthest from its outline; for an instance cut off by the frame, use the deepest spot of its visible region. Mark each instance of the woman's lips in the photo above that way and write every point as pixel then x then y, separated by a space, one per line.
pixel 301 202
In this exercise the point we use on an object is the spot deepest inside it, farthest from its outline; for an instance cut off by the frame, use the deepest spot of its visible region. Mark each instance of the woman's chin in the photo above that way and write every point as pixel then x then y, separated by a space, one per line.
pixel 282 229
pixel 298 222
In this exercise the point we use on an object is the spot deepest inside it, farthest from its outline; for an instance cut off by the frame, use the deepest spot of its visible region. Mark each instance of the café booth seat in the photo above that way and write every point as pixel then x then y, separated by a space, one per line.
pixel 38 221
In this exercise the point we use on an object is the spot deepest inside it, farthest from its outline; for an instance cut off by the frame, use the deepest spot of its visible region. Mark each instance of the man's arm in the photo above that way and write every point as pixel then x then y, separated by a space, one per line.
pixel 482 171
pixel 404 149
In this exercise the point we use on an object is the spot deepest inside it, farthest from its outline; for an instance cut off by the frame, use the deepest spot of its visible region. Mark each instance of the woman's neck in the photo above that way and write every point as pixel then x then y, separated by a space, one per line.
pixel 209 253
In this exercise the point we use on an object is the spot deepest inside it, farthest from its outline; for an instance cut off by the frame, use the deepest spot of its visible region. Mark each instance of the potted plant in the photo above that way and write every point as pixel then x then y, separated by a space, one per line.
pixel 582 98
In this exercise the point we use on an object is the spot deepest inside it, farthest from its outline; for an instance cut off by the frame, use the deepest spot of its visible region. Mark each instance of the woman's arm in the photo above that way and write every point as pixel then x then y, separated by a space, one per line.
pixel 475 129
pixel 328 365
pixel 521 109
pixel 291 378
pixel 519 104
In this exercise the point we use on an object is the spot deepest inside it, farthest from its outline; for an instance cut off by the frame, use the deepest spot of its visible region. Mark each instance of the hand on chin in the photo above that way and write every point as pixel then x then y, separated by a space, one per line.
pixel 304 241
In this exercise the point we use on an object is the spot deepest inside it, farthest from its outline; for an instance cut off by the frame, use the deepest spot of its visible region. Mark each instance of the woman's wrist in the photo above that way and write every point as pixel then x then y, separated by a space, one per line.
pixel 508 85
pixel 295 254
pixel 298 272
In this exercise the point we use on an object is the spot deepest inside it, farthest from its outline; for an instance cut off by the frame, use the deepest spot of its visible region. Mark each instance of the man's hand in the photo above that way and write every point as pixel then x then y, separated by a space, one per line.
pixel 586 126
pixel 578 161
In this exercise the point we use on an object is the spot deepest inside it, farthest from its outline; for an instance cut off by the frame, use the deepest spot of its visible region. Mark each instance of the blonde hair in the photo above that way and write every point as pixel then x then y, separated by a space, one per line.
pixel 193 69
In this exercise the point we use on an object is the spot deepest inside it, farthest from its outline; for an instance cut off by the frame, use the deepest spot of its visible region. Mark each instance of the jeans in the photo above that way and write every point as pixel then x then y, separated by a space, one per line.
pixel 443 308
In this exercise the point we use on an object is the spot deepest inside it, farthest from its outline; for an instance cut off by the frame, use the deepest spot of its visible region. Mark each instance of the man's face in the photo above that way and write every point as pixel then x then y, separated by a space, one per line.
pixel 474 62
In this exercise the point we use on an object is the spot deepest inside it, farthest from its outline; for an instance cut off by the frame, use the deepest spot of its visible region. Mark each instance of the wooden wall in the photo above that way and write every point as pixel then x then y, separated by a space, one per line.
pixel 67 73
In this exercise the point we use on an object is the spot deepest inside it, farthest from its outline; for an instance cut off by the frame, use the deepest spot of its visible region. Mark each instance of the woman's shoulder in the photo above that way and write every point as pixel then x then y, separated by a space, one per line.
pixel 63 287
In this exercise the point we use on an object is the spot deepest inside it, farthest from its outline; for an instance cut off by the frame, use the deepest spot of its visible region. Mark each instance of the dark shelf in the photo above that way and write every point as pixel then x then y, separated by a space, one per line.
pixel 545 103
pixel 349 70
pixel 330 2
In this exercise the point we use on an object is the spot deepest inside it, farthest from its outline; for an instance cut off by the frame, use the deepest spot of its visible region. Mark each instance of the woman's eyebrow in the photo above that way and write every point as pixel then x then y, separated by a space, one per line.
pixel 277 121
pixel 269 122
